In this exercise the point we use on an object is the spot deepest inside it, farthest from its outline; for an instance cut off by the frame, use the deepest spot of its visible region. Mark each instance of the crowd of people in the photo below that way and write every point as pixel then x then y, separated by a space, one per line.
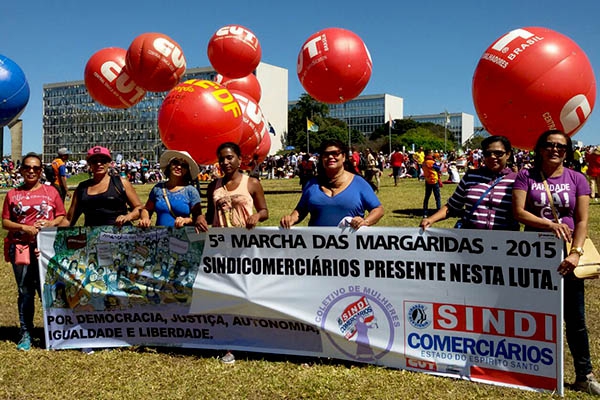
pixel 500 189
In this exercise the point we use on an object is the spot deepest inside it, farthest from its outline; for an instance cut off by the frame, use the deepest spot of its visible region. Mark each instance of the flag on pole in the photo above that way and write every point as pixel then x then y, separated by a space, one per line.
pixel 391 121
pixel 311 126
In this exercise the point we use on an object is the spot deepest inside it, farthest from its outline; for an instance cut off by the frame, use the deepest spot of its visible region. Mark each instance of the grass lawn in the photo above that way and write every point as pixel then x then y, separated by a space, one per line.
pixel 184 374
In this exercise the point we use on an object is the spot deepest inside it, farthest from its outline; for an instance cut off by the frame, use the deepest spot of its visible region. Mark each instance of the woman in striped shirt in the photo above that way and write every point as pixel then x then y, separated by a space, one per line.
pixel 483 198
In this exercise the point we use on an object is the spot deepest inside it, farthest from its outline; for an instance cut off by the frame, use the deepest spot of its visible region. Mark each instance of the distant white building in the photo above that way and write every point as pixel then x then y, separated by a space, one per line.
pixel 460 124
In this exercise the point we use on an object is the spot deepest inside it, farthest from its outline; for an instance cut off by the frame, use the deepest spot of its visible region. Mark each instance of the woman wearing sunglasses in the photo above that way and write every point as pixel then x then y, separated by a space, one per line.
pixel 553 198
pixel 483 197
pixel 27 209
pixel 176 201
pixel 336 197
pixel 104 199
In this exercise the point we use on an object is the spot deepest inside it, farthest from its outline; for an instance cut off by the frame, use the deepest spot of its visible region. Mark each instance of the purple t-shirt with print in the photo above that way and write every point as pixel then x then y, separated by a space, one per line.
pixel 565 189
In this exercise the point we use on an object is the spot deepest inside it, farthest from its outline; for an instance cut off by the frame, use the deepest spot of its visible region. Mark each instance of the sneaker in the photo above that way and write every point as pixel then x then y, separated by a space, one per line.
pixel 228 358
pixel 590 385
pixel 25 342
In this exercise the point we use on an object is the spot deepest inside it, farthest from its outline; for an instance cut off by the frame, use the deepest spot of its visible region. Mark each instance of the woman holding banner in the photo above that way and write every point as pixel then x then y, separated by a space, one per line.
pixel 336 197
pixel 551 197
pixel 232 200
pixel 176 198
pixel 104 199
pixel 483 198
pixel 27 209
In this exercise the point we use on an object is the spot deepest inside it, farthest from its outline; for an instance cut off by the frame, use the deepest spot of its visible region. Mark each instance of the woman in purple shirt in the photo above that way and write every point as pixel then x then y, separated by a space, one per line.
pixel 570 199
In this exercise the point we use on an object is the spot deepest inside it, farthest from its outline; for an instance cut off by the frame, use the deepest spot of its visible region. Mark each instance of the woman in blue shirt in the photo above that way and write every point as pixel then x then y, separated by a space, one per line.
pixel 176 201
pixel 336 196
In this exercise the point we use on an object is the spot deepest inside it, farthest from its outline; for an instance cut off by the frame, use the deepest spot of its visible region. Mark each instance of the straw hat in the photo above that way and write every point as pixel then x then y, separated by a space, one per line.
pixel 168 155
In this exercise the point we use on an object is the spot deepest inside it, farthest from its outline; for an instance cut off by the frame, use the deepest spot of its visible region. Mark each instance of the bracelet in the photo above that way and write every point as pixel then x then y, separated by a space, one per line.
pixel 576 250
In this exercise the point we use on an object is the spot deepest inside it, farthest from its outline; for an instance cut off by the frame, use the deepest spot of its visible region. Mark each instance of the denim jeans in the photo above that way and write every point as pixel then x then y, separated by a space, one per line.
pixel 576 330
pixel 429 188
pixel 28 282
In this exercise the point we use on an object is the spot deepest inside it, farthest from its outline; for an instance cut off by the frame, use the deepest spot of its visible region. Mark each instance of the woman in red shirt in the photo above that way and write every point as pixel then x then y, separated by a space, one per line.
pixel 27 209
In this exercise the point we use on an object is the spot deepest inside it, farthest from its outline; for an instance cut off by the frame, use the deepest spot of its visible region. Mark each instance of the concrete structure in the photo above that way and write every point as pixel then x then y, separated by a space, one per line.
pixel 16 140
pixel 74 120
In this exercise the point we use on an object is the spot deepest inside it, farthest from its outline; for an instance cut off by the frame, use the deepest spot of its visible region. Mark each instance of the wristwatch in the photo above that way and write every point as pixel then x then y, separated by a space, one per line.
pixel 576 250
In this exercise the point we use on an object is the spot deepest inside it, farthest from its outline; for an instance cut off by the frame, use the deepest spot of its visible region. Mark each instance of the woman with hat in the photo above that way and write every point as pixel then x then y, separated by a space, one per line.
pixel 176 198
pixel 104 199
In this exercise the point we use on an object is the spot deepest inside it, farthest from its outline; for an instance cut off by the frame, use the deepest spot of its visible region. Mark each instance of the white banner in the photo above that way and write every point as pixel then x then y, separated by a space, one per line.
pixel 483 306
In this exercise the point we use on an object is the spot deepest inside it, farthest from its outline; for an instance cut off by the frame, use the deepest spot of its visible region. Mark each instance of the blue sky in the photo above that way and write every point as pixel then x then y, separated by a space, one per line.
pixel 423 51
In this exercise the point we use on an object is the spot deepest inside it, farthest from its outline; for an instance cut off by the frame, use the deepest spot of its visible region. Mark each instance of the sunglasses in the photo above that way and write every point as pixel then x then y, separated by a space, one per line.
pixel 495 153
pixel 99 160
pixel 335 153
pixel 35 168
pixel 179 163
pixel 557 146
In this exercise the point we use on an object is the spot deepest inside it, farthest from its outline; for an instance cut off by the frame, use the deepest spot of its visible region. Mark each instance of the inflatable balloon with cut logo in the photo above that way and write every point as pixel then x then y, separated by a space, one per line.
pixel 254 126
pixel 248 84
pixel 234 51
pixel 334 65
pixel 108 82
pixel 531 80
pixel 197 116
pixel 14 91
pixel 155 62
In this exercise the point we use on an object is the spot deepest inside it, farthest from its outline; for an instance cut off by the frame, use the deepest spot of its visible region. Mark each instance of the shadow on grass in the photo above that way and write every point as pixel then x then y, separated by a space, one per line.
pixel 288 191
pixel 410 213
pixel 12 334
pixel 249 356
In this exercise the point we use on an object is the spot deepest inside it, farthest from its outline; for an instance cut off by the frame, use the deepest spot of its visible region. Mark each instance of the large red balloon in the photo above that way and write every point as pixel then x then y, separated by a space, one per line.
pixel 334 65
pixel 155 62
pixel 254 126
pixel 234 51
pixel 531 80
pixel 248 84
pixel 197 116
pixel 108 81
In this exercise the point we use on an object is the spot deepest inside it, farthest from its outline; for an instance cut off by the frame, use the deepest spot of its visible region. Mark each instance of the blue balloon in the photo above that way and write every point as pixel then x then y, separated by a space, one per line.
pixel 14 90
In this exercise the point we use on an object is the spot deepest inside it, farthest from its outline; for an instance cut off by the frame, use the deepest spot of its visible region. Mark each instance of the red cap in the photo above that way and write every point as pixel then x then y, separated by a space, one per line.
pixel 98 150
